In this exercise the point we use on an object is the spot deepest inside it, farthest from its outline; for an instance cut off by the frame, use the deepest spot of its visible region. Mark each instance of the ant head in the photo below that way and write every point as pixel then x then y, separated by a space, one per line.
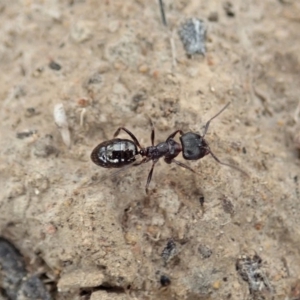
pixel 194 146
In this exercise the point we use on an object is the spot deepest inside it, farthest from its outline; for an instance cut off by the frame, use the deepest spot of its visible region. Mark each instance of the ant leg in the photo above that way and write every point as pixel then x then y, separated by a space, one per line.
pixel 183 166
pixel 208 122
pixel 144 160
pixel 225 164
pixel 150 177
pixel 152 131
pixel 129 133
pixel 174 133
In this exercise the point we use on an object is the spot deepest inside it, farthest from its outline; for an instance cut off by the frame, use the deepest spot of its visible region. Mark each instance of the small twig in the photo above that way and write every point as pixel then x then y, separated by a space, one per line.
pixel 264 100
pixel 162 11
pixel 155 239
pixel 296 115
pixel 171 34
pixel 83 111
pixel 173 50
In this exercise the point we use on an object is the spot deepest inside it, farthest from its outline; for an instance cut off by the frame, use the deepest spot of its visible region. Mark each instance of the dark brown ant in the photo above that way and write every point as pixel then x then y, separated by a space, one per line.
pixel 117 153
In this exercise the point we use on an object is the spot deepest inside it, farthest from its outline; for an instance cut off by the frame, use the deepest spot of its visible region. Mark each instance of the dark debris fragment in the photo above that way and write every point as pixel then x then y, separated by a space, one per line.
pixel 201 200
pixel 165 280
pixel 44 147
pixel 227 206
pixel 205 251
pixel 228 7
pixel 31 112
pixel 250 269
pixel 25 134
pixel 93 83
pixel 213 17
pixel 95 78
pixel 169 251
pixel 193 34
pixel 138 100
pixel 54 65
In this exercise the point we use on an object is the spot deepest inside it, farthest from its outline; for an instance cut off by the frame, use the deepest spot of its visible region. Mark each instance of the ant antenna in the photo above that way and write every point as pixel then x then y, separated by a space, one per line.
pixel 162 11
pixel 208 122
pixel 222 163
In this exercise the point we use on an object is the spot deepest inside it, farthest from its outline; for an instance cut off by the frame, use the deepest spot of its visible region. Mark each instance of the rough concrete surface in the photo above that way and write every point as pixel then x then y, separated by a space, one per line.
pixel 90 235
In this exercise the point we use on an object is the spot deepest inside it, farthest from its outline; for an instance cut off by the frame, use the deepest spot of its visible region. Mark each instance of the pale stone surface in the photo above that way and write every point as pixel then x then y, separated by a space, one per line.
pixel 67 215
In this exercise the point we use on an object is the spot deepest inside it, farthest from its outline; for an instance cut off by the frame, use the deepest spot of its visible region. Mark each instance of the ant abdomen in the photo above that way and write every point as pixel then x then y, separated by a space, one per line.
pixel 115 153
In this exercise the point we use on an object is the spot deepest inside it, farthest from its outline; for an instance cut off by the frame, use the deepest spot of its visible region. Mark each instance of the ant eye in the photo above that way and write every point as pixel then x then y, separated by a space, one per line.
pixel 189 153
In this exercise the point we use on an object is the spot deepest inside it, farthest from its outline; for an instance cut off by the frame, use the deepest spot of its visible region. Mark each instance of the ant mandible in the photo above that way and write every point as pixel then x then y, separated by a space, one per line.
pixel 117 153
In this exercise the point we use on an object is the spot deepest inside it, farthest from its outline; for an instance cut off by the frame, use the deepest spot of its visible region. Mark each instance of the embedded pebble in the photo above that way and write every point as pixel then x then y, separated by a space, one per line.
pixel 169 251
pixel 168 200
pixel 82 278
pixel 43 147
pixel 103 295
pixel 130 238
pixel 15 281
pixel 12 268
pixel 81 31
pixel 193 34
pixel 205 251
pixel 33 289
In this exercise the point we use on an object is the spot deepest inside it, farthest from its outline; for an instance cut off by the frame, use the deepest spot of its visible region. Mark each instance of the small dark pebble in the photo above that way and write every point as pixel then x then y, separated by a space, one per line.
pixel 227 206
pixel 39 70
pixel 25 134
pixel 30 111
pixel 12 268
pixel 201 200
pixel 139 97
pixel 228 7
pixel 33 288
pixel 43 147
pixel 244 150
pixel 138 100
pixel 54 65
pixel 165 280
pixel 205 251
pixel 169 251
pixel 213 17
pixel 96 78
pixel 250 268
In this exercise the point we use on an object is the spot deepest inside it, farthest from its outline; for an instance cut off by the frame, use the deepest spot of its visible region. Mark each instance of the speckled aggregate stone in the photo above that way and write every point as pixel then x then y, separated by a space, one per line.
pixel 192 34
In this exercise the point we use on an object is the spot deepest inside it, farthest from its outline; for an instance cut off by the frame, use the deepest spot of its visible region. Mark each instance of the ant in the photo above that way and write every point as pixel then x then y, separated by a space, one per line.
pixel 117 153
